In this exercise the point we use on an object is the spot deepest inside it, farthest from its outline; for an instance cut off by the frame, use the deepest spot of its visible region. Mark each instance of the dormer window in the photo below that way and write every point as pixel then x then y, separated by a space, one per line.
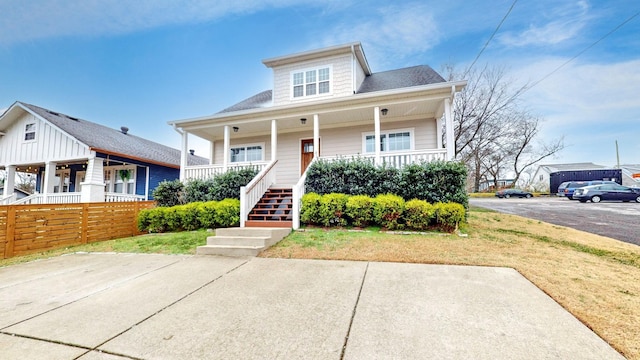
pixel 30 132
pixel 311 82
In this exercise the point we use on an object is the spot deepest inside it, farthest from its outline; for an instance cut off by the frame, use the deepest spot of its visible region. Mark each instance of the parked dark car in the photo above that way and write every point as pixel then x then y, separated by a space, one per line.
pixel 607 192
pixel 507 193
pixel 567 188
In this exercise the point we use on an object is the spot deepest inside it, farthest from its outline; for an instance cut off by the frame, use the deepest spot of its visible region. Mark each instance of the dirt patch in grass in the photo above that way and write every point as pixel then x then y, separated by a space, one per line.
pixel 597 279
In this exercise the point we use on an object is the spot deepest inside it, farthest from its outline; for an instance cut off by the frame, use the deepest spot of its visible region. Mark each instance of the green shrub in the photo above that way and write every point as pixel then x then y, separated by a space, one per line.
pixel 332 207
pixel 227 185
pixel 144 219
pixel 207 214
pixel 418 214
pixel 387 211
pixel 310 208
pixel 359 208
pixel 227 213
pixel 157 222
pixel 168 193
pixel 199 190
pixel 438 181
pixel 449 215
pixel 189 215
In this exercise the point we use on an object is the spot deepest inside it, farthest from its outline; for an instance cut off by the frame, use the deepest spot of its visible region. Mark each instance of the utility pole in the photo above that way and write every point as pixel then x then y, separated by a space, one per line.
pixel 617 156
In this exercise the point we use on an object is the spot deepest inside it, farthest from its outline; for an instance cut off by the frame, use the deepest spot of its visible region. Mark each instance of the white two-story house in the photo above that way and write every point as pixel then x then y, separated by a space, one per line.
pixel 325 103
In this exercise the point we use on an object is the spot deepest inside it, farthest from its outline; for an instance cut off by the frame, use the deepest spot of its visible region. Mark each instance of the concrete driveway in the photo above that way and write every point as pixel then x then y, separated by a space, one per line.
pixel 616 220
pixel 124 306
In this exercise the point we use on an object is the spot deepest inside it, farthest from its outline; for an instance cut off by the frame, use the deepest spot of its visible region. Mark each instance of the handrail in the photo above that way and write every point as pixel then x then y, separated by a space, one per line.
pixel 8 199
pixel 297 193
pixel 260 176
pixel 255 189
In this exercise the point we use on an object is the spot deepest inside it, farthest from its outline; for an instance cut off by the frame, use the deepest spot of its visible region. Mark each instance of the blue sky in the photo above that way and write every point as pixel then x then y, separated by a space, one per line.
pixel 143 63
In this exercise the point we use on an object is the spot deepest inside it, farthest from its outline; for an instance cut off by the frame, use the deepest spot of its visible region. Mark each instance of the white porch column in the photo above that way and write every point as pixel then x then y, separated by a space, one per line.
pixel 439 132
pixel 184 155
pixel 49 177
pixel 376 133
pixel 274 140
pixel 448 122
pixel 212 149
pixel 316 136
pixel 92 189
pixel 225 152
pixel 10 181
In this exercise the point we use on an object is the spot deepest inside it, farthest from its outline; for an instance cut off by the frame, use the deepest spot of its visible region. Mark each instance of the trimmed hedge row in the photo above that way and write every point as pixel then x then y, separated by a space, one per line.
pixel 438 181
pixel 192 216
pixel 387 210
pixel 225 186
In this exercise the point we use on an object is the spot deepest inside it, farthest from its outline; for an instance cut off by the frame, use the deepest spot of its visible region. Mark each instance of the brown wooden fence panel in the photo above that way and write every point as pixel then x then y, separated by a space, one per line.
pixel 26 229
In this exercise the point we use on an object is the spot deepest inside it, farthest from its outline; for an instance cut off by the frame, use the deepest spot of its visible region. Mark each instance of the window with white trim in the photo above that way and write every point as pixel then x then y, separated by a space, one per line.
pixel 393 140
pixel 30 132
pixel 246 153
pixel 120 179
pixel 311 82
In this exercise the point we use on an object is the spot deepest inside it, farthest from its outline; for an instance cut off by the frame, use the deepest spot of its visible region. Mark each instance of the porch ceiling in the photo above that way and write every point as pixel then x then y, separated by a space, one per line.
pixel 351 111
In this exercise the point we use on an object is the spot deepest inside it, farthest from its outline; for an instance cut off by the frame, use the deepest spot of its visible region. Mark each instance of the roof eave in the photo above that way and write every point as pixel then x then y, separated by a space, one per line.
pixel 309 55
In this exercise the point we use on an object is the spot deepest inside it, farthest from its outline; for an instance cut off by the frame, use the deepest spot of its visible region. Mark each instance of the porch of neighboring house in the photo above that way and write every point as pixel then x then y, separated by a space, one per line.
pixel 282 146
pixel 84 180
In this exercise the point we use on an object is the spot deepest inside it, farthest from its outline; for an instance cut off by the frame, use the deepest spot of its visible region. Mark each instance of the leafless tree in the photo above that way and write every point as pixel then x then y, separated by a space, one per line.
pixel 26 182
pixel 494 131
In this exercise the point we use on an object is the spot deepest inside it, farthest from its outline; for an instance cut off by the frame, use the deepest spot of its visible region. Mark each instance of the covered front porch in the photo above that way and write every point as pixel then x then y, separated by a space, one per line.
pixel 94 179
pixel 393 129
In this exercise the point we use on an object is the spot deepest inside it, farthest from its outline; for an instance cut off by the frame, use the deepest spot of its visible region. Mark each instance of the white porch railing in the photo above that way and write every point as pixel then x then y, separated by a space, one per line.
pixel 117 197
pixel 9 199
pixel 398 159
pixel 55 198
pixel 251 194
pixel 298 191
pixel 203 172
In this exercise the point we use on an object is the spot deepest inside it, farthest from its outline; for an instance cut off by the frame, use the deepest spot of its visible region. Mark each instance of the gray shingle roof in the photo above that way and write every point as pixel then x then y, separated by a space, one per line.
pixel 400 78
pixel 259 100
pixel 114 141
pixel 386 80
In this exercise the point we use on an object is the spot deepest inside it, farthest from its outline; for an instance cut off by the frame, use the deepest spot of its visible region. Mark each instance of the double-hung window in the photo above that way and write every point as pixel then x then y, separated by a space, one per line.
pixel 246 153
pixel 30 132
pixel 311 82
pixel 394 140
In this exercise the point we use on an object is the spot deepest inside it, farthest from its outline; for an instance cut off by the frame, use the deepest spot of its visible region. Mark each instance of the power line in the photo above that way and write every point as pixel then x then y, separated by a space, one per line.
pixel 490 38
pixel 583 51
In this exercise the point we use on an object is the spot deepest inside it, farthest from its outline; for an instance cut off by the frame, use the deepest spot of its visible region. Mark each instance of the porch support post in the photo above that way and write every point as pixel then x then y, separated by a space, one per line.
pixel 10 181
pixel 212 149
pixel 316 136
pixel 376 133
pixel 225 152
pixel 184 155
pixel 274 140
pixel 92 189
pixel 49 177
pixel 448 122
pixel 439 132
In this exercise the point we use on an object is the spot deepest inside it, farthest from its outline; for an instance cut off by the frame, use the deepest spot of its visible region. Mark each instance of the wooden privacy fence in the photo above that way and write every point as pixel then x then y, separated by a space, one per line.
pixel 27 229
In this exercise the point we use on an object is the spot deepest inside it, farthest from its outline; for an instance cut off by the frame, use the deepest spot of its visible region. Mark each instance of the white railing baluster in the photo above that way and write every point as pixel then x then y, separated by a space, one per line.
pixel 255 189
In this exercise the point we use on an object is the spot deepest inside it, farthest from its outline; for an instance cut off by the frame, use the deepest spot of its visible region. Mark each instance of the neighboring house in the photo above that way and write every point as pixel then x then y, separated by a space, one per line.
pixel 325 103
pixel 20 194
pixel 631 175
pixel 75 160
pixel 542 177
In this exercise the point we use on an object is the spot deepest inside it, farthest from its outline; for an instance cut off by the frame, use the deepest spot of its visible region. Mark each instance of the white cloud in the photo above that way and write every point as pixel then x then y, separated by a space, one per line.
pixel 36 19
pixel 395 32
pixel 556 25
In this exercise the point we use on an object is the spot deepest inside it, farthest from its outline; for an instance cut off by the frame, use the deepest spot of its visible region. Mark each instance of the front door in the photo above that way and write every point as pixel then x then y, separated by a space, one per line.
pixel 306 154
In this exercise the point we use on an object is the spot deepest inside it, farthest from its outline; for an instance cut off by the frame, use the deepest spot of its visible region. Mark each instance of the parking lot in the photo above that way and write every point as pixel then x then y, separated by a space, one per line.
pixel 616 220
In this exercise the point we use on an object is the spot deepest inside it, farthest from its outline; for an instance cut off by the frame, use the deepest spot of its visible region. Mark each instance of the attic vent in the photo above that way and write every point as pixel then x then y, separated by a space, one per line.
pixel 124 129
pixel 53 113
pixel 72 118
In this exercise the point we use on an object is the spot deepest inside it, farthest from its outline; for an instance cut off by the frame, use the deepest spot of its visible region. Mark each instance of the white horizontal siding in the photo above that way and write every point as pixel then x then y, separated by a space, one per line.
pixel 50 144
pixel 341 85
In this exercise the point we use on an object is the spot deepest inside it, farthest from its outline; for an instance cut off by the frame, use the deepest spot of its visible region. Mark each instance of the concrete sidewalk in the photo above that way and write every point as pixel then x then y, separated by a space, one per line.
pixel 125 306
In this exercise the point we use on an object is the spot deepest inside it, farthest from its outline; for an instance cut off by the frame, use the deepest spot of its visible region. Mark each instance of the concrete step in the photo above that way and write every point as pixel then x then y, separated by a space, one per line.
pixel 247 241
pixel 231 250
pixel 238 240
